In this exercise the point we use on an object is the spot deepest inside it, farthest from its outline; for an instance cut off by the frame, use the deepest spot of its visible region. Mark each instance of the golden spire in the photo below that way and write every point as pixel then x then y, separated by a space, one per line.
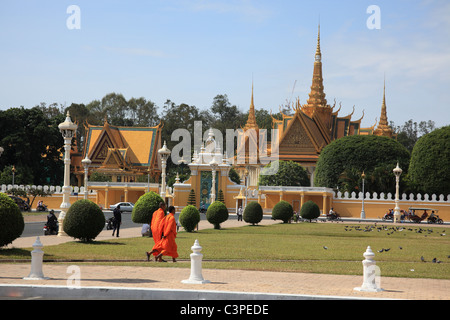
pixel 318 51
pixel 251 122
pixel 317 95
pixel 383 118
pixel 383 128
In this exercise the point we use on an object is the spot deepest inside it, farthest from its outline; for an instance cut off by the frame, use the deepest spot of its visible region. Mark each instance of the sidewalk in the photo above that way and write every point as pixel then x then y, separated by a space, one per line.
pixel 166 282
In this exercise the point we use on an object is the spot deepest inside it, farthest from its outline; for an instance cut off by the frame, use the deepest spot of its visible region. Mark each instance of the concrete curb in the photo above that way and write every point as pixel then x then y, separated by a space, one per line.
pixel 125 293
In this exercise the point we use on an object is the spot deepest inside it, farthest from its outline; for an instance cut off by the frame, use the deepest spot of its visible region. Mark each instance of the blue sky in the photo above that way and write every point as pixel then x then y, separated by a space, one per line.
pixel 190 51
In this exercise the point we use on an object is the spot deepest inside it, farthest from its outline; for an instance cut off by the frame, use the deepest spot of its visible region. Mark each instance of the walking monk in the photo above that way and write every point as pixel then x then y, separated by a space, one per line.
pixel 168 244
pixel 157 227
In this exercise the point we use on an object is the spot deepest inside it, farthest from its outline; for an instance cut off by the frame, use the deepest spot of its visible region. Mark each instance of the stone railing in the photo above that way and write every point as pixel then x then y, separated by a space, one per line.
pixel 382 196
pixel 53 189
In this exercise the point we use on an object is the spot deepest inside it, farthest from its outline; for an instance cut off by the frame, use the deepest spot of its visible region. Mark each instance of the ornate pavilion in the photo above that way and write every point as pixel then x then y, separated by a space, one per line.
pixel 314 125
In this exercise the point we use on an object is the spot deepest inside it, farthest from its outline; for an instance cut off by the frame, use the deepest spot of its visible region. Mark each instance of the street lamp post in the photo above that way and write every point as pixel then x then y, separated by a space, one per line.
pixel 14 173
pixel 363 213
pixel 164 153
pixel 67 129
pixel 397 172
pixel 214 166
pixel 86 163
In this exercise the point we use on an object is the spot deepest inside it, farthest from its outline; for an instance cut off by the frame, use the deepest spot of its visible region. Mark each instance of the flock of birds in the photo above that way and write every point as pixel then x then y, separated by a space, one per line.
pixel 394 229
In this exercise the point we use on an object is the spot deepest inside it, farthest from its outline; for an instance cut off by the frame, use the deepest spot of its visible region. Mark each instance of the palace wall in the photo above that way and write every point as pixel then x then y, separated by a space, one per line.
pixel 347 205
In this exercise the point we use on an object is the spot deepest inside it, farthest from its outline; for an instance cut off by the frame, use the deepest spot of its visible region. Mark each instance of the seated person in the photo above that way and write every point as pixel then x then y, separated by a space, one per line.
pixel 145 230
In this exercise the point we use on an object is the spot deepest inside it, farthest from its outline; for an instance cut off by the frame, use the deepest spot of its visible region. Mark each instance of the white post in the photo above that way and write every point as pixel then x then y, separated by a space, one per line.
pixel 67 129
pixel 363 213
pixel 37 258
pixel 196 266
pixel 397 172
pixel 86 163
pixel 371 272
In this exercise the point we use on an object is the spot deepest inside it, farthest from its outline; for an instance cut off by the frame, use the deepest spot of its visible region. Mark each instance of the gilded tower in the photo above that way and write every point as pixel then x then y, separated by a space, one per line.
pixel 251 122
pixel 317 103
pixel 383 128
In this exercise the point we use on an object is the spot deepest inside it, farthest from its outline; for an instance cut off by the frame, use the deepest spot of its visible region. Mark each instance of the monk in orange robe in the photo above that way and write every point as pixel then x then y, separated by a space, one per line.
pixel 157 227
pixel 168 244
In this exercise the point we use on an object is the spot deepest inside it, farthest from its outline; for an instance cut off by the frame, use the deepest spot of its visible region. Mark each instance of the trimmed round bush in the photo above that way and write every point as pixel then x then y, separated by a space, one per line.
pixel 282 211
pixel 84 220
pixel 216 214
pixel 189 218
pixel 310 210
pixel 11 220
pixel 145 206
pixel 253 213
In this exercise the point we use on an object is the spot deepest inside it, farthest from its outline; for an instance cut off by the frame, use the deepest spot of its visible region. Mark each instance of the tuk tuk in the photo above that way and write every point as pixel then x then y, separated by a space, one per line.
pixel 418 214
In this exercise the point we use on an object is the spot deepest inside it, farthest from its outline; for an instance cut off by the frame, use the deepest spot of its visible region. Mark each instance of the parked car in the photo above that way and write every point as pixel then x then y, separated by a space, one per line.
pixel 124 206
pixel 23 205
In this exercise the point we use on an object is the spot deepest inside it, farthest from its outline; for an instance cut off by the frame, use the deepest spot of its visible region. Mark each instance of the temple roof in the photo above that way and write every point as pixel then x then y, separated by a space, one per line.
pixel 127 147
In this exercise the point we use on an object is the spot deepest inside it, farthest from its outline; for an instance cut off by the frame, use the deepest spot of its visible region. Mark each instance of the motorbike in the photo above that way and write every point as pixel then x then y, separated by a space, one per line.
pixel 435 219
pixel 109 223
pixel 51 231
pixel 42 207
pixel 388 216
pixel 333 217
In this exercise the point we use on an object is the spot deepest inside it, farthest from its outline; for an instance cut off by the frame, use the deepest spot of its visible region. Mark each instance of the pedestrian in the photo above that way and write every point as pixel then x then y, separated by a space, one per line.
pixel 157 227
pixel 168 243
pixel 240 213
pixel 117 220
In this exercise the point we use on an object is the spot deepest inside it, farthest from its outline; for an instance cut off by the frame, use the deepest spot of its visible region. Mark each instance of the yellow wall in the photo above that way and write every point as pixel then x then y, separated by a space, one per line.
pixel 54 202
pixel 346 207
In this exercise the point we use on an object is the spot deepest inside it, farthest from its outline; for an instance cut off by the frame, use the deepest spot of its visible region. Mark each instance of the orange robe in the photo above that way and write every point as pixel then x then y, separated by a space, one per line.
pixel 169 246
pixel 157 226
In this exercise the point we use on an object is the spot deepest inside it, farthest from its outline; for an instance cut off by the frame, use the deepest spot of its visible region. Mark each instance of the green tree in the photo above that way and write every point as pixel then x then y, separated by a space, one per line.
pixel 220 196
pixel 429 170
pixel 189 218
pixel 84 220
pixel 411 131
pixel 234 176
pixel 191 200
pixel 145 206
pixel 253 213
pixel 282 211
pixel 310 210
pixel 226 116
pixel 11 220
pixel 216 214
pixel 31 142
pixel 342 162
pixel 287 173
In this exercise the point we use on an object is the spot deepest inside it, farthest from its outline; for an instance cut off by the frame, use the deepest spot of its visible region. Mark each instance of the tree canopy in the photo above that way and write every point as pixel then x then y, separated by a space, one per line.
pixel 289 174
pixel 342 162
pixel 429 170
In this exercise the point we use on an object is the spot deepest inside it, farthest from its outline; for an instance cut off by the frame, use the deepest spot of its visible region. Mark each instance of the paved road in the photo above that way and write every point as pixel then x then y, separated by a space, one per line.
pixel 34 229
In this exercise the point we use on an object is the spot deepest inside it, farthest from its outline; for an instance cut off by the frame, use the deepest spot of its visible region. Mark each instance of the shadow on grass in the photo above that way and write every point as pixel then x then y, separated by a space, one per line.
pixel 15 252
pixel 99 243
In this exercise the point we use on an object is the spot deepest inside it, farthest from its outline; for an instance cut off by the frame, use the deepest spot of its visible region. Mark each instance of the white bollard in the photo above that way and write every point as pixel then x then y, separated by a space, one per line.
pixel 37 258
pixel 371 273
pixel 196 266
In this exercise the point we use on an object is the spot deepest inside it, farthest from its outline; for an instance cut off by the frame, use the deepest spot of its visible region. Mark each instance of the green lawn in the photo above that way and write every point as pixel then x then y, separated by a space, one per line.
pixel 284 247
